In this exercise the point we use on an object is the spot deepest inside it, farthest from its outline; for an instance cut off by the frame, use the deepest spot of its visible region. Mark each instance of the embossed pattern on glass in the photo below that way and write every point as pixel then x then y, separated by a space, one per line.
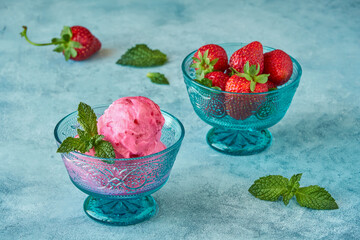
pixel 120 189
pixel 239 120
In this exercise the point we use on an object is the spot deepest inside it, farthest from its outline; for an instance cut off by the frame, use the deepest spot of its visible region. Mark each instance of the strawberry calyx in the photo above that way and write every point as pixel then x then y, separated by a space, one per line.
pixel 63 44
pixel 203 64
pixel 251 74
pixel 207 83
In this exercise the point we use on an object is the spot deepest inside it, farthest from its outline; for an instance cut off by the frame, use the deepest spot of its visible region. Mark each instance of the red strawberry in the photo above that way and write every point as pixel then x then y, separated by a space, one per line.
pixel 239 84
pixel 243 106
pixel 279 65
pixel 252 53
pixel 76 43
pixel 209 58
pixel 218 79
pixel 90 44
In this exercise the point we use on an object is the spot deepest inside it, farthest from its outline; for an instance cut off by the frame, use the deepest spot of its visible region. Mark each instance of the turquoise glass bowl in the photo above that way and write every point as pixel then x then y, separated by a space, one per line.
pixel 240 120
pixel 119 189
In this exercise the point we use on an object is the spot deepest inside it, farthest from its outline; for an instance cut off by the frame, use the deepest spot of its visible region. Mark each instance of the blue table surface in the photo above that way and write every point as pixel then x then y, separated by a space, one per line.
pixel 206 196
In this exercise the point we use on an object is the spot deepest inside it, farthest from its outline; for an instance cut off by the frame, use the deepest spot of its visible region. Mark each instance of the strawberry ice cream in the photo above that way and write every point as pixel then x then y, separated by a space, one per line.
pixel 133 126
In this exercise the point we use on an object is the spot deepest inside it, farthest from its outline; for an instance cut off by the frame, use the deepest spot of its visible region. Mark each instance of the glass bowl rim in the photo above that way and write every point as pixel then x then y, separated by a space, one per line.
pixel 297 80
pixel 168 149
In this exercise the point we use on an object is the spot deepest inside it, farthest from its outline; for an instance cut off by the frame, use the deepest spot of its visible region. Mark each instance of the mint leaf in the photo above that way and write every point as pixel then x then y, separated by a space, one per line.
pixel 273 186
pixel 269 188
pixel 74 144
pixel 87 119
pixel 142 56
pixel 83 135
pixel 315 197
pixel 88 138
pixel 95 140
pixel 104 149
pixel 157 78
pixel 292 187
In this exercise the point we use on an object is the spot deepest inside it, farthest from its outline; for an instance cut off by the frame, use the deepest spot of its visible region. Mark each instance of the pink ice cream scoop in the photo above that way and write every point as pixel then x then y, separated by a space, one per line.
pixel 133 126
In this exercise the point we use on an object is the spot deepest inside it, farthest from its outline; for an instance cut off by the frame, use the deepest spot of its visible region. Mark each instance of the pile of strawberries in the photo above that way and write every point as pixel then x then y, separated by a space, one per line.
pixel 249 70
pixel 264 72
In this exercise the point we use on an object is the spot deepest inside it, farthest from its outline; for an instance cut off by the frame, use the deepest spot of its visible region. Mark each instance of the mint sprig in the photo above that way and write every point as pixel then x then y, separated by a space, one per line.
pixel 272 187
pixel 88 136
pixel 142 56
pixel 158 78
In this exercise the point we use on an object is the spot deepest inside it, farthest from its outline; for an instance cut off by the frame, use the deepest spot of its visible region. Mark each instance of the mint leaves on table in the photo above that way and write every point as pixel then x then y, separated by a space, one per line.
pixel 207 83
pixel 142 56
pixel 272 187
pixel 88 137
pixel 157 78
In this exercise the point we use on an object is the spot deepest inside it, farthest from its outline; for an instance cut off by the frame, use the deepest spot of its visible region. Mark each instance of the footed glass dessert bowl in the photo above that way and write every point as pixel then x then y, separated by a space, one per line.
pixel 240 120
pixel 119 189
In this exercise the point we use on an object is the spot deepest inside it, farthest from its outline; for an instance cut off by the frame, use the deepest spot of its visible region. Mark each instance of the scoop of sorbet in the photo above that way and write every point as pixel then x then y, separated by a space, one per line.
pixel 133 126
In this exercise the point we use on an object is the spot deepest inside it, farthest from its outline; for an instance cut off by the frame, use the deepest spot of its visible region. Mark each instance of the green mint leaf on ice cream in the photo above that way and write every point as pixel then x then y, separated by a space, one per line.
pixel 74 144
pixel 142 56
pixel 157 78
pixel 272 187
pixel 88 136
pixel 87 119
pixel 104 149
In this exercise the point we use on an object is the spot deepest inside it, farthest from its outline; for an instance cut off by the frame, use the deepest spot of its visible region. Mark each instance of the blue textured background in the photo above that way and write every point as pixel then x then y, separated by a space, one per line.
pixel 206 196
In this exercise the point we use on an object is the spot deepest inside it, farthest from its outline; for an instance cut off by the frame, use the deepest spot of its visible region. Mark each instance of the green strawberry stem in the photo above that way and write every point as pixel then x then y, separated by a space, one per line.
pixel 63 44
pixel 251 74
pixel 23 34
pixel 203 64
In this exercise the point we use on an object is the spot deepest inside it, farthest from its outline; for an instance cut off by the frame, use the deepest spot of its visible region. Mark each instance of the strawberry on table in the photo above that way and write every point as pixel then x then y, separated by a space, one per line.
pixel 279 65
pixel 209 58
pixel 218 79
pixel 243 106
pixel 252 53
pixel 76 43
